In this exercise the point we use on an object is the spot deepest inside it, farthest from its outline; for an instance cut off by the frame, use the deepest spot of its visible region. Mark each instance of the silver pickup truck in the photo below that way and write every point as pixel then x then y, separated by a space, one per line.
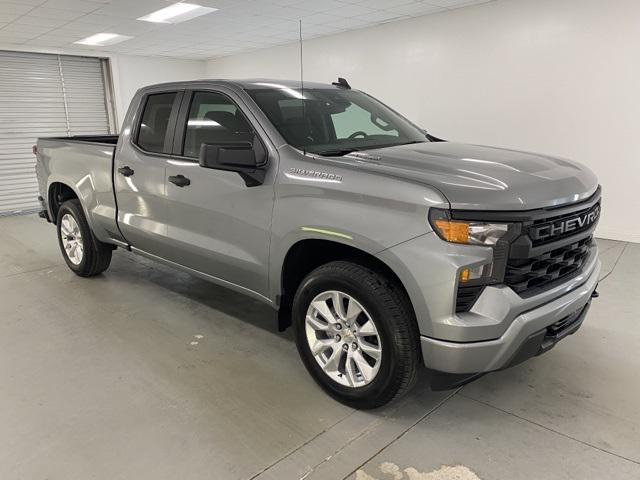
pixel 384 247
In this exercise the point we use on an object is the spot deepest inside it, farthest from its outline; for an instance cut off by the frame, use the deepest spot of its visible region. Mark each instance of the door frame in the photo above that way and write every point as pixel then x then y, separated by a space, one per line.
pixel 183 114
pixel 168 138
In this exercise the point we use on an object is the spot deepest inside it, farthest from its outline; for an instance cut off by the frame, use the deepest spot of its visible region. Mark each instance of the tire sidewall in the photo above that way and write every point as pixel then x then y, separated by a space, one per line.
pixel 318 282
pixel 71 208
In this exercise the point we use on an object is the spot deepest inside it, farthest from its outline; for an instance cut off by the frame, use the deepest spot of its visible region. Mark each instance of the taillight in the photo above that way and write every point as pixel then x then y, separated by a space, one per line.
pixel 34 149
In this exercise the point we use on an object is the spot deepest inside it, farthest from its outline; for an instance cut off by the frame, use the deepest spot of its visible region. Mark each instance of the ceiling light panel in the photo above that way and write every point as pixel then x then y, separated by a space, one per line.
pixel 176 13
pixel 103 39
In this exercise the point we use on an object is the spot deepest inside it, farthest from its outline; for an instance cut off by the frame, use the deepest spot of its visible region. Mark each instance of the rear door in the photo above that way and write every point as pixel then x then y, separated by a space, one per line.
pixel 218 223
pixel 139 176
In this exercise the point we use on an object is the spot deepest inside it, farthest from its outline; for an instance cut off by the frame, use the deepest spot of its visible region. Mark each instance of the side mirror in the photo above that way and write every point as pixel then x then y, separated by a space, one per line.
pixel 243 156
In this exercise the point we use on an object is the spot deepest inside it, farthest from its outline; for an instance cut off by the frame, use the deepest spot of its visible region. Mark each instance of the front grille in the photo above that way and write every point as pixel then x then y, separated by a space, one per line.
pixel 542 249
pixel 530 275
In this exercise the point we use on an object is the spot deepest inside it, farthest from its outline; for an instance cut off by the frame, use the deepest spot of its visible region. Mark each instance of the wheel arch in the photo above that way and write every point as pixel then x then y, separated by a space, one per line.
pixel 58 193
pixel 307 254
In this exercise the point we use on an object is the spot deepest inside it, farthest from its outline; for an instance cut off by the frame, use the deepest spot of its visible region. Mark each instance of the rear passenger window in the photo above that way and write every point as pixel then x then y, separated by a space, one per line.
pixel 213 118
pixel 155 120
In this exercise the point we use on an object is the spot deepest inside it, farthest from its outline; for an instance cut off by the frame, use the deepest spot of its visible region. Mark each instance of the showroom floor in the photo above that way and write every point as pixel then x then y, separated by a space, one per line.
pixel 145 372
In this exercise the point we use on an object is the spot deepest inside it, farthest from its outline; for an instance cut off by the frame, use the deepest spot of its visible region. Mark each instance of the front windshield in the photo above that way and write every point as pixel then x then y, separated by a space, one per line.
pixel 333 121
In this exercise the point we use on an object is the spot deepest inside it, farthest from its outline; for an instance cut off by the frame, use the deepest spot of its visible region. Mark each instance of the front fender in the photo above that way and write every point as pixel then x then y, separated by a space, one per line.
pixel 357 208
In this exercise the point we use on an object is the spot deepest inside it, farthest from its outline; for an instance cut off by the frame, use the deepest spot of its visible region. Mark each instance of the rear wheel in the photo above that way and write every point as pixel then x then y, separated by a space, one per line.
pixel 83 253
pixel 356 333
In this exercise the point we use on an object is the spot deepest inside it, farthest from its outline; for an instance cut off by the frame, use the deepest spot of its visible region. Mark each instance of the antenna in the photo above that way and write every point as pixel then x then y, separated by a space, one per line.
pixel 304 117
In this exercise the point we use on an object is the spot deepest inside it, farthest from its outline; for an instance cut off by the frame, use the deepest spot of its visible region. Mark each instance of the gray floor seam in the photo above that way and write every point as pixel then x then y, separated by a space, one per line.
pixel 622 457
pixel 364 432
pixel 404 432
pixel 288 454
pixel 29 271
pixel 345 445
pixel 611 247
pixel 615 264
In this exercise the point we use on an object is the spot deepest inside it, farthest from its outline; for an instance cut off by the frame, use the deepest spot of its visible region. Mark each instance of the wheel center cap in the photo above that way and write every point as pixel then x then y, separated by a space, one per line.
pixel 347 336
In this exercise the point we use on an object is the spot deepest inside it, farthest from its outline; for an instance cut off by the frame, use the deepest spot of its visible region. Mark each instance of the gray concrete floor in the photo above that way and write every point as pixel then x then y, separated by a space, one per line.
pixel 147 373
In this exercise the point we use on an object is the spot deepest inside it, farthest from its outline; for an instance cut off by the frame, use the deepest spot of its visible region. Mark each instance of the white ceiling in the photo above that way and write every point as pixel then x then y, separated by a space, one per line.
pixel 238 25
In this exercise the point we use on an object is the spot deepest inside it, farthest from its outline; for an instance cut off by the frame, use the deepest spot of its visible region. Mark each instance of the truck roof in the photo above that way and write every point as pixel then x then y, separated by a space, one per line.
pixel 245 83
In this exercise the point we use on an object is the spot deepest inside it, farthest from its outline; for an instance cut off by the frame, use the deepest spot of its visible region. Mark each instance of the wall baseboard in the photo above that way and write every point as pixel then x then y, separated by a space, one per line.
pixel 620 236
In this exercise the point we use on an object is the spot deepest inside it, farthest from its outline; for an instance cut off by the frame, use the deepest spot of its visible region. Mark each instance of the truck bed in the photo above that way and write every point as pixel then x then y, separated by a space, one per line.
pixel 85 163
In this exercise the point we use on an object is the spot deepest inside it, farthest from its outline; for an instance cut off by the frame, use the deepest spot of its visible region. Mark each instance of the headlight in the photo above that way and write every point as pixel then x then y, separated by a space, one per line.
pixel 466 232
pixel 474 232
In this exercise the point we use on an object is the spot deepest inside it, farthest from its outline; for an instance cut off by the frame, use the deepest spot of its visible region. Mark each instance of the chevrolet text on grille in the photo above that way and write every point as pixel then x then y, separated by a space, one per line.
pixel 567 225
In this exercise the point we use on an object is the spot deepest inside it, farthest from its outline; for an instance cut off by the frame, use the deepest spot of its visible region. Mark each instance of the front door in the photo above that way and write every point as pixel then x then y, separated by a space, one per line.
pixel 218 223
pixel 140 173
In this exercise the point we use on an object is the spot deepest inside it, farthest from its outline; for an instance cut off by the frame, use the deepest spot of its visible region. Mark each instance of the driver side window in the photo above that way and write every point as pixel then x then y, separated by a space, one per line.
pixel 356 119
pixel 213 118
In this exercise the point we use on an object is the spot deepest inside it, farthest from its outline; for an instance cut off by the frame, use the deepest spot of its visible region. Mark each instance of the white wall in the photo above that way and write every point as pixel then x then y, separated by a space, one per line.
pixel 133 72
pixel 554 76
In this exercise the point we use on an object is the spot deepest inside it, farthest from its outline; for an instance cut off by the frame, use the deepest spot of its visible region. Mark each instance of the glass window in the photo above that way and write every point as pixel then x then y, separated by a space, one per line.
pixel 213 118
pixel 356 122
pixel 155 120
pixel 333 121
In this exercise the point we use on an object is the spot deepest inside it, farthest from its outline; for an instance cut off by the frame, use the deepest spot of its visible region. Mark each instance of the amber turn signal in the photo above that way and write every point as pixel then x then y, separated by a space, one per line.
pixel 464 275
pixel 456 232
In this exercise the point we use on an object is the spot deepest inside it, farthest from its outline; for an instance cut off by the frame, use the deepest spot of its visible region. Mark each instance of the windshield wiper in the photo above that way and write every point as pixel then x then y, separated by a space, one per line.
pixel 337 152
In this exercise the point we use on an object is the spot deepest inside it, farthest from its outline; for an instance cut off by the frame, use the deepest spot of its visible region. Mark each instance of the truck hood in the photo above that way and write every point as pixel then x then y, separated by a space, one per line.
pixel 486 178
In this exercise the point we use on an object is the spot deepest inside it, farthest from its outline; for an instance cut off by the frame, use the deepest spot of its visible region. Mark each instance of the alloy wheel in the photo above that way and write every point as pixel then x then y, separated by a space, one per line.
pixel 71 239
pixel 343 338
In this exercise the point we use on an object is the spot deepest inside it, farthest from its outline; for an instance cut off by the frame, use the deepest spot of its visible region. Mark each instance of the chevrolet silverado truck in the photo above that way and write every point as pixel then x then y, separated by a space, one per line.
pixel 384 247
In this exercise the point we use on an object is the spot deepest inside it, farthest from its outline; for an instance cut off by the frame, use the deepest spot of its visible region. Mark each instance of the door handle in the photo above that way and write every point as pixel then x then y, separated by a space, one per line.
pixel 180 180
pixel 126 171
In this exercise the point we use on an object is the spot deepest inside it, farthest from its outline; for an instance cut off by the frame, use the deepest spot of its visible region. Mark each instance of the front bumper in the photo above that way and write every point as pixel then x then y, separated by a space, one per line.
pixel 524 338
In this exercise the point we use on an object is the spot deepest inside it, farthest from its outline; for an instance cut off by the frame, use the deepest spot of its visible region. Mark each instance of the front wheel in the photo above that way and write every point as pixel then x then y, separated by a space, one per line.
pixel 356 334
pixel 83 253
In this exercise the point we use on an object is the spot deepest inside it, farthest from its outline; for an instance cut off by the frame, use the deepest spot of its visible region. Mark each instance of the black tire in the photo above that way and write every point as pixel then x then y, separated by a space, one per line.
pixel 392 313
pixel 96 255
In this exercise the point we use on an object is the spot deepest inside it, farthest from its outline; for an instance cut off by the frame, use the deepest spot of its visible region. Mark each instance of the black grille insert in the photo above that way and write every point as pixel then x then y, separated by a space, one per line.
pixel 467 296
pixel 563 324
pixel 530 275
